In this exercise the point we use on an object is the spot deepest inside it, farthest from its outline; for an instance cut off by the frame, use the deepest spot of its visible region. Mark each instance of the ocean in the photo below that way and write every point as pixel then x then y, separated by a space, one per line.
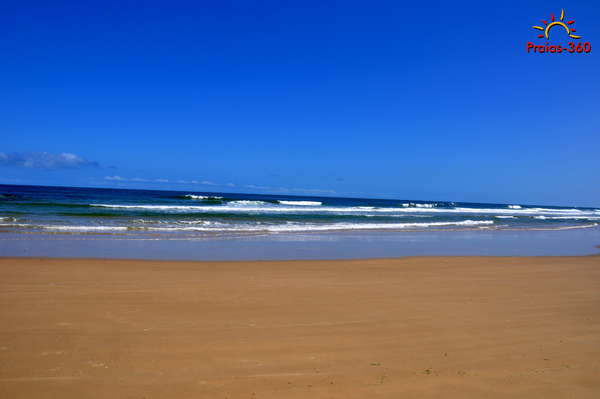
pixel 197 215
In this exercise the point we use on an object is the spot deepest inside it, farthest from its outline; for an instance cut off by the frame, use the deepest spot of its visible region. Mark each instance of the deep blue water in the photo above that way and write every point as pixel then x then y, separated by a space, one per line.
pixel 186 214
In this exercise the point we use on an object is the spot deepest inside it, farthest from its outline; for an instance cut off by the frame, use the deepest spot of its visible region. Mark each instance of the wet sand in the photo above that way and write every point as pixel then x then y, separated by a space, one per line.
pixel 430 327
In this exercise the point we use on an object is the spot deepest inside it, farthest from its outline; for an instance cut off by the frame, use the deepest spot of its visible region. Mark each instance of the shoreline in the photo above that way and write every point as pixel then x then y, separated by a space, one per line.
pixel 452 327
pixel 310 246
pixel 270 261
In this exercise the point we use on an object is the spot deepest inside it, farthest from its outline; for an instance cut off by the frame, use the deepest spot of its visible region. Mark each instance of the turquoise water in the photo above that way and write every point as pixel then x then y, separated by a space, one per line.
pixel 88 212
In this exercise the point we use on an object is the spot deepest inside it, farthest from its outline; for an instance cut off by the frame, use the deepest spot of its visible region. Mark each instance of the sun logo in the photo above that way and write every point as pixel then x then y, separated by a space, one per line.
pixel 554 23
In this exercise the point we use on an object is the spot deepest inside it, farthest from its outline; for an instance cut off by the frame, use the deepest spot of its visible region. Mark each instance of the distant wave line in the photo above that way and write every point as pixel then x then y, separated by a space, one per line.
pixel 257 207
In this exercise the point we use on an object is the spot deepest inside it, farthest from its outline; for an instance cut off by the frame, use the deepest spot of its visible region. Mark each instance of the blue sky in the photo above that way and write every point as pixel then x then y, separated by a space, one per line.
pixel 435 101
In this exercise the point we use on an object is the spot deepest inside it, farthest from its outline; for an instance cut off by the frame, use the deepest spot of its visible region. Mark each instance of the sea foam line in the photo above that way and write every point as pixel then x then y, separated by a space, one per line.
pixel 262 207
pixel 324 227
pixel 260 228
pixel 66 227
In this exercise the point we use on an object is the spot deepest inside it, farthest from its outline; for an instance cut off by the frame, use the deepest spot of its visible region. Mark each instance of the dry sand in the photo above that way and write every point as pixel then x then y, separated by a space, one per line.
pixel 443 327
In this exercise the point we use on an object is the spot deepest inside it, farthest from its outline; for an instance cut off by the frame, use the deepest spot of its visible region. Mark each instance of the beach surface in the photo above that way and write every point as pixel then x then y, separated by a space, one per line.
pixel 425 327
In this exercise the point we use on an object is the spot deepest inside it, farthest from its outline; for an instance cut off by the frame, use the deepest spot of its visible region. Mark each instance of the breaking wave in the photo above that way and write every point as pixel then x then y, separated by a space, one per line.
pixel 248 206
pixel 202 197
pixel 301 203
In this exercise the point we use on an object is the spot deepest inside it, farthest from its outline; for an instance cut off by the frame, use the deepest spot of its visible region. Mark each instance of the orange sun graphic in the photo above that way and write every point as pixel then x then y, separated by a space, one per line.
pixel 554 23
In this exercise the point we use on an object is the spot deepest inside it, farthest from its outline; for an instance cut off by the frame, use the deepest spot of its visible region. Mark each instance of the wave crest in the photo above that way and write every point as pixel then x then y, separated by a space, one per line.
pixel 202 197
pixel 301 203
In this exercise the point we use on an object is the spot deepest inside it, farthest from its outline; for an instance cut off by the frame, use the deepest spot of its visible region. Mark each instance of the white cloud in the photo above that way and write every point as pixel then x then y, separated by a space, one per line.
pixel 45 160
pixel 158 180
pixel 114 178
pixel 255 187
pixel 120 178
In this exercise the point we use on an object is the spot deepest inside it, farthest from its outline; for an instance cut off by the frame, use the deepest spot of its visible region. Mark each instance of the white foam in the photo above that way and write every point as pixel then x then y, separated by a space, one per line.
pixel 587 226
pixel 301 203
pixel 325 227
pixel 515 207
pixel 262 207
pixel 415 205
pixel 194 222
pixel 85 228
pixel 201 197
pixel 521 211
pixel 542 217
pixel 66 227
pixel 205 226
pixel 15 225
pixel 247 202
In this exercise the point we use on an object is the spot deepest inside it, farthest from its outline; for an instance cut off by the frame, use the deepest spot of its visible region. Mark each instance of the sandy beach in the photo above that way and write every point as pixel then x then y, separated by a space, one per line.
pixel 431 327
